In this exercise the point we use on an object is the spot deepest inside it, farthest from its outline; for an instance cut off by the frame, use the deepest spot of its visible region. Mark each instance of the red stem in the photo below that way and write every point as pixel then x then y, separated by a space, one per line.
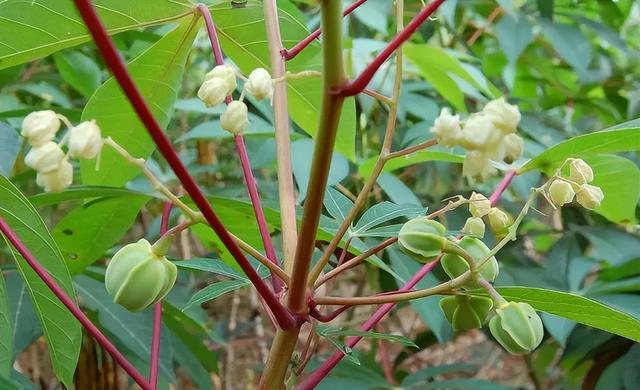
pixel 285 319
pixel 360 83
pixel 241 149
pixel 73 308
pixel 154 361
pixel 317 376
pixel 295 50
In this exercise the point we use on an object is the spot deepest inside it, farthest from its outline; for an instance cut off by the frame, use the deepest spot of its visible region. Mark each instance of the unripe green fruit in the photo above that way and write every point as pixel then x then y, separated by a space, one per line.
pixel 422 239
pixel 137 277
pixel 466 312
pixel 517 327
pixel 455 265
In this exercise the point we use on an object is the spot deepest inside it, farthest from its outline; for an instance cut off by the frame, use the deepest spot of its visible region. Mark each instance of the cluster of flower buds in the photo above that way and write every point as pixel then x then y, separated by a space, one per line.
pixel 563 190
pixel 480 207
pixel 488 135
pixel 221 82
pixel 139 275
pixel 55 172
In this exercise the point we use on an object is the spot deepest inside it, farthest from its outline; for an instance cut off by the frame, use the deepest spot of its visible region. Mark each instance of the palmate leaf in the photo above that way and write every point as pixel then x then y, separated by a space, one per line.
pixel 61 330
pixel 40 27
pixel 158 74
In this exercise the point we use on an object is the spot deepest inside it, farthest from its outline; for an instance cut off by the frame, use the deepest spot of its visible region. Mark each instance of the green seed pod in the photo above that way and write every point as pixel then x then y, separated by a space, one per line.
pixel 422 239
pixel 455 265
pixel 517 327
pixel 466 312
pixel 137 277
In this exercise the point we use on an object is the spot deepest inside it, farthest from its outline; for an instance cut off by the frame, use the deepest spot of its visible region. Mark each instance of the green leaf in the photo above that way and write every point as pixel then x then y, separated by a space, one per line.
pixel 214 290
pixel 467 384
pixel 384 212
pixel 514 34
pixel 570 44
pixel 447 75
pixel 42 27
pixel 577 308
pixel 158 75
pixel 90 229
pixel 9 148
pixel 6 332
pixel 366 167
pixel 211 265
pixel 619 179
pixel 332 331
pixel 583 146
pixel 337 204
pixel 79 70
pixel 243 38
pixel 62 332
pixel 85 192
pixel 419 377
pixel 133 330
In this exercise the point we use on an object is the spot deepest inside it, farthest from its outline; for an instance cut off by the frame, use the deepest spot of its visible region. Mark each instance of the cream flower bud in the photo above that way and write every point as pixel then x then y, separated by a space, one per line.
pixel 45 158
pixel 213 92
pixel 40 127
pixel 235 118
pixel 498 219
pixel 505 116
pixel 477 165
pixel 58 179
pixel 561 193
pixel 514 145
pixel 85 140
pixel 479 205
pixel 260 84
pixel 589 196
pixel 447 128
pixel 225 73
pixel 580 171
pixel 479 132
pixel 474 226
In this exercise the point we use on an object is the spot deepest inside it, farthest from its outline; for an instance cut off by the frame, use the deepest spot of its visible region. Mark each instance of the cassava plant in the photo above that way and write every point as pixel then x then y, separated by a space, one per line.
pixel 322 229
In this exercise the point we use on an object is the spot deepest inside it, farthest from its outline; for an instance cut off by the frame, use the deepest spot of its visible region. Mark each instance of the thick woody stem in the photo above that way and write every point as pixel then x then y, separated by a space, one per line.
pixel 120 73
pixel 72 307
pixel 295 50
pixel 286 190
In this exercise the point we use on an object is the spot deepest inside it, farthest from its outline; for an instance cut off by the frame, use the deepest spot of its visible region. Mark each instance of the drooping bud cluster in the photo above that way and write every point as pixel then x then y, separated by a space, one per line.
pixel 480 207
pixel 55 172
pixel 235 118
pixel 488 135
pixel 219 83
pixel 260 84
pixel 562 190
pixel 139 275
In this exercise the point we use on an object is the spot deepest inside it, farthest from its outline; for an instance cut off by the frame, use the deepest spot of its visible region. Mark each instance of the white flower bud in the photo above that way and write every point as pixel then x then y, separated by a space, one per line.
pixel 589 196
pixel 498 219
pixel 514 147
pixel 479 132
pixel 474 226
pixel 477 165
pixel 561 192
pixel 213 92
pixel 235 118
pixel 45 158
pixel 40 127
pixel 58 179
pixel 85 140
pixel 260 84
pixel 447 128
pixel 479 205
pixel 580 171
pixel 505 116
pixel 225 73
